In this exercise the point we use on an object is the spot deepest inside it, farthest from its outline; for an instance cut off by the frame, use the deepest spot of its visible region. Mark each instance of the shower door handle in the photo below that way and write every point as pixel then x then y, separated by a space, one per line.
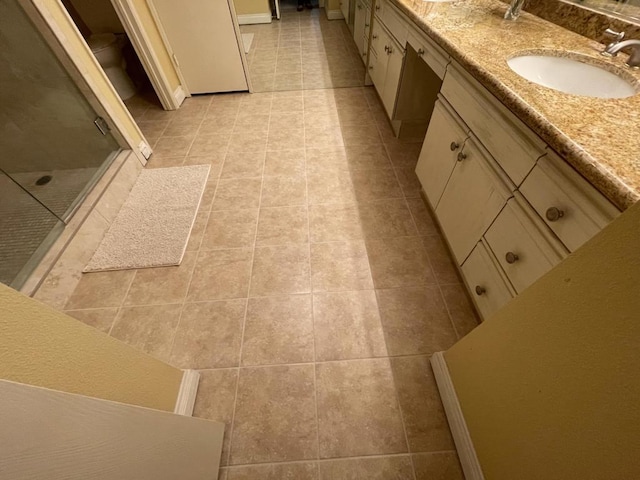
pixel 102 125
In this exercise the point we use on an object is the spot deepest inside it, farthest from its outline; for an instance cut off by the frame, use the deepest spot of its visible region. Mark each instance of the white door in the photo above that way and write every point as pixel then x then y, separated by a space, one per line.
pixel 204 39
pixel 51 435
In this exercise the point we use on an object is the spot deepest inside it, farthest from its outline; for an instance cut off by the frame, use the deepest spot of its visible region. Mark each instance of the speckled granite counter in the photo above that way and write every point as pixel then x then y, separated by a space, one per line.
pixel 600 138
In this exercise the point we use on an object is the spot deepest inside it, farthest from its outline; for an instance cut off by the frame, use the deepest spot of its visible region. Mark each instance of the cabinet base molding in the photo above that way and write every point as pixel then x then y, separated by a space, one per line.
pixel 187 394
pixel 334 14
pixel 253 18
pixel 179 94
pixel 459 431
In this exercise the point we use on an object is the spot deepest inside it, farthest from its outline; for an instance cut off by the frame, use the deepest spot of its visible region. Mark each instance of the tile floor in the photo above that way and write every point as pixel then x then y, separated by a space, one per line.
pixel 303 51
pixel 314 289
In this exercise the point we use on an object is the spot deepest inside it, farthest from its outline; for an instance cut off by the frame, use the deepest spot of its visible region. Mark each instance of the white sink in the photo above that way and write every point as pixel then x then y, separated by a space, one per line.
pixel 570 75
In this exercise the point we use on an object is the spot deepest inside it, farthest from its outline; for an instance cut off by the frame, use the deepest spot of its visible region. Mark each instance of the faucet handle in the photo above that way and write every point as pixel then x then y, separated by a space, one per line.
pixel 616 37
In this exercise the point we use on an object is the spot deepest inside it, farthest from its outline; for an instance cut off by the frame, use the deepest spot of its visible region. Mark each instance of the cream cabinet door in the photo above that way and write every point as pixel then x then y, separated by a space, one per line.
pixel 472 199
pixel 395 55
pixel 444 140
pixel 378 70
pixel 358 27
pixel 344 8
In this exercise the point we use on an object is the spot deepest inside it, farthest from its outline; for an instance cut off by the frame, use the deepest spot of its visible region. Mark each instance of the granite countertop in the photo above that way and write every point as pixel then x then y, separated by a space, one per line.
pixel 600 138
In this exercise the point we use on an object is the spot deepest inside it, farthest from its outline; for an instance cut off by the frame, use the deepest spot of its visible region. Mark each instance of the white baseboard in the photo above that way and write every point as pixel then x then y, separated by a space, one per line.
pixel 334 14
pixel 179 94
pixel 253 18
pixel 187 393
pixel 459 431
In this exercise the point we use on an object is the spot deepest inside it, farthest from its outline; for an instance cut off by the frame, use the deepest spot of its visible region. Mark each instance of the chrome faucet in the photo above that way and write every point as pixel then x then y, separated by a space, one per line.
pixel 513 12
pixel 614 47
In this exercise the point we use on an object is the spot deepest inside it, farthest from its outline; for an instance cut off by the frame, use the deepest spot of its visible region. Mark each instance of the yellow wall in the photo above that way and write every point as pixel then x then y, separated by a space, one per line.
pixel 41 346
pixel 549 385
pixel 248 7
pixel 99 15
pixel 332 5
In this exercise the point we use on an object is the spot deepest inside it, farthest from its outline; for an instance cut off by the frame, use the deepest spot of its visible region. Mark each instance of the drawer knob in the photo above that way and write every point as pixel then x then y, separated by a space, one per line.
pixel 480 290
pixel 374 36
pixel 359 7
pixel 420 52
pixel 370 67
pixel 366 24
pixel 454 146
pixel 377 8
pixel 511 257
pixel 554 214
pixel 462 156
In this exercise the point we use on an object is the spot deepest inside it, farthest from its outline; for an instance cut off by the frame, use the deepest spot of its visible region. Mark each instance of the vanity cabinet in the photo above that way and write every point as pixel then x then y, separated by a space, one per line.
pixel 386 67
pixel 362 17
pixel 344 8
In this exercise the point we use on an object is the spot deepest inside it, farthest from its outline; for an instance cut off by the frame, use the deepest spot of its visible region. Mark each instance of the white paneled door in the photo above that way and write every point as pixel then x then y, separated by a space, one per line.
pixel 204 37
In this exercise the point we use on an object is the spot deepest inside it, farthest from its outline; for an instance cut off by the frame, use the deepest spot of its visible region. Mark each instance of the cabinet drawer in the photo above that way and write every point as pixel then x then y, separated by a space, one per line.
pixel 395 22
pixel 431 53
pixel 474 195
pixel 572 208
pixel 377 70
pixel 379 37
pixel 514 146
pixel 522 244
pixel 489 289
pixel 445 138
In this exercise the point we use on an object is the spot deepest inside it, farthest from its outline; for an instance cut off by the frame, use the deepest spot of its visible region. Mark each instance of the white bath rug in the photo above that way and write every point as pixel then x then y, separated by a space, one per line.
pixel 247 40
pixel 153 226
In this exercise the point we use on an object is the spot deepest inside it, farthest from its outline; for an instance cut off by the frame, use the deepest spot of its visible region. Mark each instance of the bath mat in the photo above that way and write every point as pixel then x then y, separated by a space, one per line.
pixel 153 226
pixel 247 40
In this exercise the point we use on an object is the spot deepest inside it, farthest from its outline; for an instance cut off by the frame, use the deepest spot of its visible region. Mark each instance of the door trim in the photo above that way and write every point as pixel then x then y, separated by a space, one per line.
pixel 459 431
pixel 140 41
pixel 243 55
pixel 187 394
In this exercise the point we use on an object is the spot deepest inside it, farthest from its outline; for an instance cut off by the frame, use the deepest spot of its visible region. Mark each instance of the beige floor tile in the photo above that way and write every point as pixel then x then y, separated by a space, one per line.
pixel 338 266
pixel 422 217
pixel 330 187
pixel 237 193
pixel 220 274
pixel 358 413
pixel 361 135
pixel 209 335
pixel 275 415
pixel 399 262
pixel 437 466
pixel 247 120
pixel 230 229
pixel 281 269
pixel 415 320
pixel 98 318
pixel 243 164
pixel 248 141
pixel 159 161
pixel 424 418
pixel 149 328
pixel 153 286
pixel 182 127
pixel 287 104
pixel 215 144
pixel 323 136
pixel 404 155
pixel 214 160
pixel 386 218
pixel 215 400
pixel 460 308
pixel 199 224
pixel 327 159
pixel 285 137
pixel 281 471
pixel 283 191
pixel 282 225
pixel 100 289
pixel 375 184
pixel 217 125
pixel 324 118
pixel 285 121
pixel 208 194
pixel 172 146
pixel 332 223
pixel 367 156
pixel 409 182
pixel 397 467
pixel 278 330
pixel 347 325
pixel 285 162
pixel 441 260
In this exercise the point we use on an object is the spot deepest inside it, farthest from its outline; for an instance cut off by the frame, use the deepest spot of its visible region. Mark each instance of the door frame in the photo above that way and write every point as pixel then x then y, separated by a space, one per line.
pixel 128 15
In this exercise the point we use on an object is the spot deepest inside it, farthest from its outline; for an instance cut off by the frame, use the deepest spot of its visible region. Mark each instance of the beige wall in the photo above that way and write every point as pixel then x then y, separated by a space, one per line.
pixel 549 385
pixel 332 5
pixel 99 15
pixel 41 346
pixel 248 7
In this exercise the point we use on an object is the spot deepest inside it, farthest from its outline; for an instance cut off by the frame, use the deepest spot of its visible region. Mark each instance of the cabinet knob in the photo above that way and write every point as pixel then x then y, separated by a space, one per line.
pixel 377 8
pixel 366 24
pixel 389 51
pixel 454 146
pixel 480 290
pixel 420 52
pixel 554 214
pixel 370 67
pixel 462 156
pixel 364 54
pixel 511 257
pixel 359 7
pixel 374 36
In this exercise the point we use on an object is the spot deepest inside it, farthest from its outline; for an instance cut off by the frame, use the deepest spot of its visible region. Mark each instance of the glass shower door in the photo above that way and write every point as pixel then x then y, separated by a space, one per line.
pixel 53 146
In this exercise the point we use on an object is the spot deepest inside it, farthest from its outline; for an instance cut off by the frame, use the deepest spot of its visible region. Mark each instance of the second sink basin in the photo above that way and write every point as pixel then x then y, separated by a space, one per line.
pixel 571 75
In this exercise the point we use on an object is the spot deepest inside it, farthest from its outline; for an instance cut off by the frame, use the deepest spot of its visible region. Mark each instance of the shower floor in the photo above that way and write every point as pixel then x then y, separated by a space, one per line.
pixel 27 228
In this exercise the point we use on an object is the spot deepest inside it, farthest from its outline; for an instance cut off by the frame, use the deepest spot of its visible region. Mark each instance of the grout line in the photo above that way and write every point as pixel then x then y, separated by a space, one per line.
pixel 121 306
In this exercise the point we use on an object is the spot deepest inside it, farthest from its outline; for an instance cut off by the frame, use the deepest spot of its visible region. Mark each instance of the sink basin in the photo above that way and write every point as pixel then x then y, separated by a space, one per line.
pixel 572 75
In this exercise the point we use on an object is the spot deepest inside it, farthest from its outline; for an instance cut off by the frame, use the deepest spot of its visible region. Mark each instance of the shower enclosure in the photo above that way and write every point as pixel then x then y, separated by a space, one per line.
pixel 53 146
